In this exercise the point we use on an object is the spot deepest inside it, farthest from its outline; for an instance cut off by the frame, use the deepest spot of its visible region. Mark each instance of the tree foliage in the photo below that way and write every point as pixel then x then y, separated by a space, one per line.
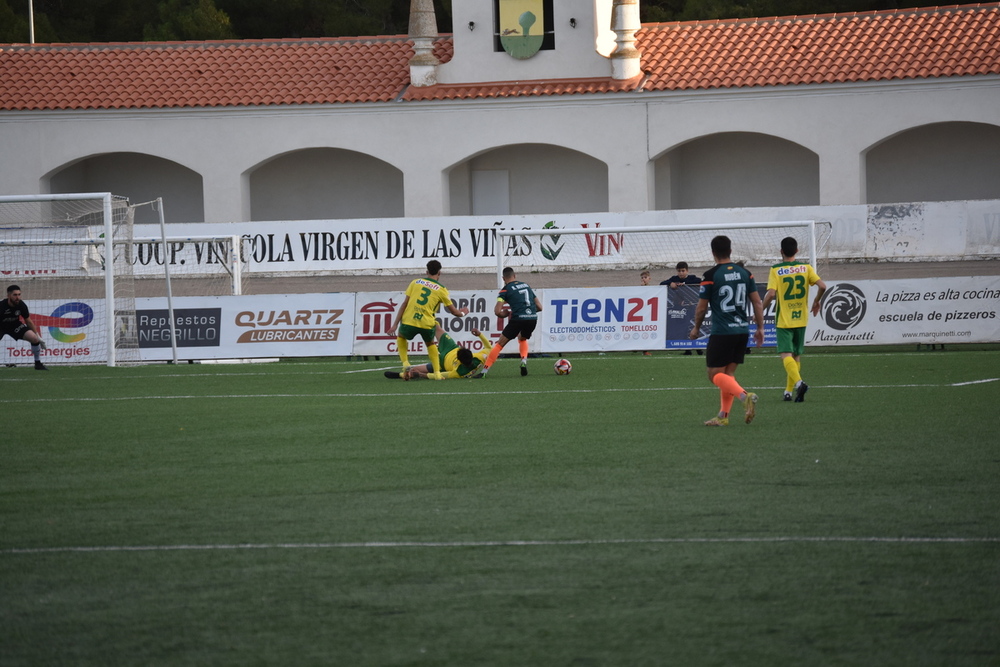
pixel 138 20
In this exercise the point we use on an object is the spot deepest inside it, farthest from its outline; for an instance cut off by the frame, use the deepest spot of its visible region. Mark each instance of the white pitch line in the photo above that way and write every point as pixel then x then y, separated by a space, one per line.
pixel 506 543
pixel 963 384
pixel 609 390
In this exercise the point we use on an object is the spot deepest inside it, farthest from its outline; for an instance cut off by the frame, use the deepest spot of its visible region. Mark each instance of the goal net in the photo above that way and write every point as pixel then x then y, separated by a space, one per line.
pixel 55 247
pixel 755 244
pixel 68 254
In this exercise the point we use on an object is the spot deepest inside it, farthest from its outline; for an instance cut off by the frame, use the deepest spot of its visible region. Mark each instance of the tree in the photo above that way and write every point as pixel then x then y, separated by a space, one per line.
pixel 188 20
pixel 15 29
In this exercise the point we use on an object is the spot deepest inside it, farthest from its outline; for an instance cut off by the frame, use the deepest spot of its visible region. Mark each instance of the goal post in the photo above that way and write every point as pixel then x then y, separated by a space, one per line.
pixel 59 244
pixel 756 244
pixel 81 270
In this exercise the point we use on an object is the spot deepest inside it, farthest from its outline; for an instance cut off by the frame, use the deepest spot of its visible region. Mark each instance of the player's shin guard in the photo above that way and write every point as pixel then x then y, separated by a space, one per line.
pixel 403 346
pixel 36 351
pixel 432 351
pixel 522 347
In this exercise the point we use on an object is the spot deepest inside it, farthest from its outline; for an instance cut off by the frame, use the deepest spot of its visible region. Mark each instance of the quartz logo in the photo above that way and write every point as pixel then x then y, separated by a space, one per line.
pixel 290 326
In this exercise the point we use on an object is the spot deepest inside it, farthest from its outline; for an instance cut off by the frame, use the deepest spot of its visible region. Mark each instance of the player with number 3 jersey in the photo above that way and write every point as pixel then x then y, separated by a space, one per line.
pixel 417 315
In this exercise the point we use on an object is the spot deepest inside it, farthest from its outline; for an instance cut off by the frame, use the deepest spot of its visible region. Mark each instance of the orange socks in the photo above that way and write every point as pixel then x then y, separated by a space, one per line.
pixel 492 356
pixel 522 347
pixel 729 389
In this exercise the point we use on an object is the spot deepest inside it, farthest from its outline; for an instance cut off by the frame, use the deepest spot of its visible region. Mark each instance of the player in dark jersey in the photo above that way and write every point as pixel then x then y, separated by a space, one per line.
pixel 524 308
pixel 730 290
pixel 15 321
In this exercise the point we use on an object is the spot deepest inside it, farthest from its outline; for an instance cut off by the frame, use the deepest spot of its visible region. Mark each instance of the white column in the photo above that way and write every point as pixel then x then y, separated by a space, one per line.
pixel 630 186
pixel 227 198
pixel 842 176
pixel 424 192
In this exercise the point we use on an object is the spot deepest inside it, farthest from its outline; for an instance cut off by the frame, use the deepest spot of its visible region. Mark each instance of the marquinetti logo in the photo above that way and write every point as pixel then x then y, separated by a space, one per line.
pixel 844 307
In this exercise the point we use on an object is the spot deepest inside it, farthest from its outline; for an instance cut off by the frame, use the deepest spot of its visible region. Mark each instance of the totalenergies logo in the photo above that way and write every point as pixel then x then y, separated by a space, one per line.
pixel 72 315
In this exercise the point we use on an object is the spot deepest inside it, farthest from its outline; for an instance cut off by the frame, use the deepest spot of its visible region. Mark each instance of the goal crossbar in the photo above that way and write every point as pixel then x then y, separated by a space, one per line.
pixel 809 248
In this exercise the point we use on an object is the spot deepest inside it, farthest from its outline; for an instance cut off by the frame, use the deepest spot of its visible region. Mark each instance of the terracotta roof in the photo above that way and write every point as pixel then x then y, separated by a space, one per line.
pixel 870 46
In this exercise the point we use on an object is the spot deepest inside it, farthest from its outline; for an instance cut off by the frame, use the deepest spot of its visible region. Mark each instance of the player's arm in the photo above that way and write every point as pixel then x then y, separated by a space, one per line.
pixel 482 338
pixel 768 298
pixel 538 305
pixel 758 317
pixel 498 308
pixel 820 291
pixel 398 316
pixel 457 312
pixel 699 316
pixel 30 324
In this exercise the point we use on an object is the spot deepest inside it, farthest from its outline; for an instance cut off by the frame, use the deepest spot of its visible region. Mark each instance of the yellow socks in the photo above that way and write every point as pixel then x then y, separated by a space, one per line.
pixel 403 346
pixel 432 352
pixel 792 371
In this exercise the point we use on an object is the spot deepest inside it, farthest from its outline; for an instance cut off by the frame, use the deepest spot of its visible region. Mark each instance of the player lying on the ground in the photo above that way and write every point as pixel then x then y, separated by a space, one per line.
pixel 456 361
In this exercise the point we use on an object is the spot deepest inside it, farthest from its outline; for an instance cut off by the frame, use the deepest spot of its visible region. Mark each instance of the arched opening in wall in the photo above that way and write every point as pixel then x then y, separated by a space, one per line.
pixel 736 170
pixel 529 179
pixel 139 177
pixel 938 162
pixel 325 184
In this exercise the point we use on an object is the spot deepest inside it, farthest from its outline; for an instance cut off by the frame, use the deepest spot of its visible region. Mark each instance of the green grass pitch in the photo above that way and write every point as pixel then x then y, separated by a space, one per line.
pixel 313 512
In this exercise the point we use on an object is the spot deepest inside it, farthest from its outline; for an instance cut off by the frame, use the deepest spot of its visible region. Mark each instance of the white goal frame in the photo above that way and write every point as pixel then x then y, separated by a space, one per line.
pixel 808 249
pixel 120 311
pixel 108 243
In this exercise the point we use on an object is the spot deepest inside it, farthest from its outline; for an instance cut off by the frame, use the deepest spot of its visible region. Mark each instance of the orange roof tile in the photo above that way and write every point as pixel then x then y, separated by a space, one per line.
pixel 958 40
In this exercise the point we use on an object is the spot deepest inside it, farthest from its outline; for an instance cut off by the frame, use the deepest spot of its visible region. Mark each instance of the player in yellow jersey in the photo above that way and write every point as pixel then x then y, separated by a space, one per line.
pixel 418 312
pixel 788 283
pixel 456 361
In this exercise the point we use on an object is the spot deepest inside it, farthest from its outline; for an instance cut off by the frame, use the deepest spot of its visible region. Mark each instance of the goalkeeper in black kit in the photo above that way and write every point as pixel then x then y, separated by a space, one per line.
pixel 15 321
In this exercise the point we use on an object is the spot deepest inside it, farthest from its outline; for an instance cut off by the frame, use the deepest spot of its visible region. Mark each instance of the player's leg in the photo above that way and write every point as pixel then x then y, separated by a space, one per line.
pixel 725 356
pixel 24 333
pixel 510 331
pixel 798 347
pixel 785 349
pixel 717 360
pixel 432 348
pixel 527 328
pixel 403 338
pixel 419 371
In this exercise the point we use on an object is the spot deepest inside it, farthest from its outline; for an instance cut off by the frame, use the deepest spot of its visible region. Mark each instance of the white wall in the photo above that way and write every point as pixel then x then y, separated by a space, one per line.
pixel 427 142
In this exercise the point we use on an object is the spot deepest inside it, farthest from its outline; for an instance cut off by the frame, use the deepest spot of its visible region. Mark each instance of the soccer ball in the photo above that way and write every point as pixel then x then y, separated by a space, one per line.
pixel 563 367
pixel 505 311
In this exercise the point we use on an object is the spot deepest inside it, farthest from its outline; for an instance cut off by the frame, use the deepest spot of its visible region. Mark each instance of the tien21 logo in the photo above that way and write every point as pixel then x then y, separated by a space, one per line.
pixel 72 315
